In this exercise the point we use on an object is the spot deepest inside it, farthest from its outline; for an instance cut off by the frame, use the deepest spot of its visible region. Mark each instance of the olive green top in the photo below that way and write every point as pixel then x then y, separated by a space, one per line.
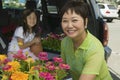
pixel 87 59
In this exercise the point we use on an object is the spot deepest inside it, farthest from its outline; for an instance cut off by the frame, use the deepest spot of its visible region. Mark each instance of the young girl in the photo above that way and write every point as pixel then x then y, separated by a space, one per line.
pixel 26 35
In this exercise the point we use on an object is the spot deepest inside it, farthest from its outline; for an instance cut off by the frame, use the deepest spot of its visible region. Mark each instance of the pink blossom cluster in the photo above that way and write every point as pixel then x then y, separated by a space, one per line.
pixel 46 76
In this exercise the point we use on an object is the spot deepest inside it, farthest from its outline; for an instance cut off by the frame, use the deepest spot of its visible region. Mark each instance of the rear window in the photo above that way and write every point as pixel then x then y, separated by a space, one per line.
pixel 13 4
pixel 111 7
pixel 51 6
pixel 101 6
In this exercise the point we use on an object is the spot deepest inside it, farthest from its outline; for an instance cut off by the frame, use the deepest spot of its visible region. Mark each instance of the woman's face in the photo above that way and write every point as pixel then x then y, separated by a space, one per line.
pixel 73 25
pixel 31 20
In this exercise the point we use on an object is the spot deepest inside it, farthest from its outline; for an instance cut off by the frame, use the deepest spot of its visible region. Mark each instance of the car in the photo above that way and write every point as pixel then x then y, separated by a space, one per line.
pixel 108 11
pixel 50 20
pixel 118 11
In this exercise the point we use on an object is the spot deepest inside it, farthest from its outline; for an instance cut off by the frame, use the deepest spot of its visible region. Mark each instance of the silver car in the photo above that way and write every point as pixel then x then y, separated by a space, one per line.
pixel 108 11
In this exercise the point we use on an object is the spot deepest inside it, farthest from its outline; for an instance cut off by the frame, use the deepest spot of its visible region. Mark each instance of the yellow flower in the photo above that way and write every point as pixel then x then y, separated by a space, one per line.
pixel 14 66
pixel 30 60
pixel 2 58
pixel 32 70
pixel 19 76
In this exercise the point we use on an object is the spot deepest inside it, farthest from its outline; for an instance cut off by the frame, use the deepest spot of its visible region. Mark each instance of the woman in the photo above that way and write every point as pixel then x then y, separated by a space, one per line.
pixel 26 35
pixel 80 49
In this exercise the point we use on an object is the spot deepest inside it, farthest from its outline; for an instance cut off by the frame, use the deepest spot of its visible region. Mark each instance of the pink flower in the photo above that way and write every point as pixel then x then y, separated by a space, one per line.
pixel 59 60
pixel 46 76
pixel 6 67
pixel 20 55
pixel 51 67
pixel 6 61
pixel 64 66
pixel 43 56
pixel 49 63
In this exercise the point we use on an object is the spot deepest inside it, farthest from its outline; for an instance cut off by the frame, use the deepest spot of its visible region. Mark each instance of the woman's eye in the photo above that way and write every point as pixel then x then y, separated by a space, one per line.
pixel 64 21
pixel 74 20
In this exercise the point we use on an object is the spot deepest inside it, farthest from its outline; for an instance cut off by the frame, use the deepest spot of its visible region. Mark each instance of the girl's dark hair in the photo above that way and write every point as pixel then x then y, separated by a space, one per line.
pixel 79 7
pixel 24 24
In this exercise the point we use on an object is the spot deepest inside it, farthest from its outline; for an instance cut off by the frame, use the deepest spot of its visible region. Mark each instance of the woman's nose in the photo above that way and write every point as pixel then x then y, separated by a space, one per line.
pixel 69 24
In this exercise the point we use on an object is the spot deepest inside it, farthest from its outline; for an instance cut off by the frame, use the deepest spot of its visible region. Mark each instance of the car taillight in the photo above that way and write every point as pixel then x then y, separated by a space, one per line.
pixel 105 32
pixel 107 11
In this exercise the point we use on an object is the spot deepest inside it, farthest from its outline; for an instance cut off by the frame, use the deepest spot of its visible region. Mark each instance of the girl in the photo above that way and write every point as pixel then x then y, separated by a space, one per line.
pixel 26 35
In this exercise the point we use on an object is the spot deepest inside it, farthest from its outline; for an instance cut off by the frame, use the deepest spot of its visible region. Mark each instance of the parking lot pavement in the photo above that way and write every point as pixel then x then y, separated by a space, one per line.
pixel 114 65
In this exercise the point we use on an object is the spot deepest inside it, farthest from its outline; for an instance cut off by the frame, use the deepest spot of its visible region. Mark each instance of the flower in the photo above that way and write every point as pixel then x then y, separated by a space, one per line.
pixel 19 75
pixel 25 68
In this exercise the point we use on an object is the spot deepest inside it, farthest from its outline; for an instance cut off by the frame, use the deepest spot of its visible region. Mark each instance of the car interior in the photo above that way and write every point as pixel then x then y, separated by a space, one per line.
pixel 48 14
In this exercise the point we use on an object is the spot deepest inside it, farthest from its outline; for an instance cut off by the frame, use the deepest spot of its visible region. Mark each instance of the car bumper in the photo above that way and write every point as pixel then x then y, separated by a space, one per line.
pixel 110 17
pixel 108 52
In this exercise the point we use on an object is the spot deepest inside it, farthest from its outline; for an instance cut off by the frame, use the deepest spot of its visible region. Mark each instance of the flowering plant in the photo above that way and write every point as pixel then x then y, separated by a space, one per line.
pixel 25 68
pixel 52 41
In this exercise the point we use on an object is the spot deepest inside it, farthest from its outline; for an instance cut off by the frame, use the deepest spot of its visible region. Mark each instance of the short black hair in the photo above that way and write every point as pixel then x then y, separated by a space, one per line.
pixel 77 6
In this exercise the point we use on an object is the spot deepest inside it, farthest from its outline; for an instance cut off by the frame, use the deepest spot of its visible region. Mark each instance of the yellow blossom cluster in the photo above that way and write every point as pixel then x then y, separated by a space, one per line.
pixel 19 76
pixel 15 66
pixel 2 58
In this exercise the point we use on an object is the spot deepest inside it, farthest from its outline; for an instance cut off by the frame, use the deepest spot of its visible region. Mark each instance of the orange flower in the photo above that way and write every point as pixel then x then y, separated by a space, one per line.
pixel 19 76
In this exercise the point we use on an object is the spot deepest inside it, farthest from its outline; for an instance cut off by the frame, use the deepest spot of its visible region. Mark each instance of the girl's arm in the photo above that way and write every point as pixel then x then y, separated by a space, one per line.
pixel 23 45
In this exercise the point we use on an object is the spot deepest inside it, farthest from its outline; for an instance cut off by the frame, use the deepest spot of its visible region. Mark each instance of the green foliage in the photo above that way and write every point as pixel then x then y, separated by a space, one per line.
pixel 61 74
pixel 52 43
